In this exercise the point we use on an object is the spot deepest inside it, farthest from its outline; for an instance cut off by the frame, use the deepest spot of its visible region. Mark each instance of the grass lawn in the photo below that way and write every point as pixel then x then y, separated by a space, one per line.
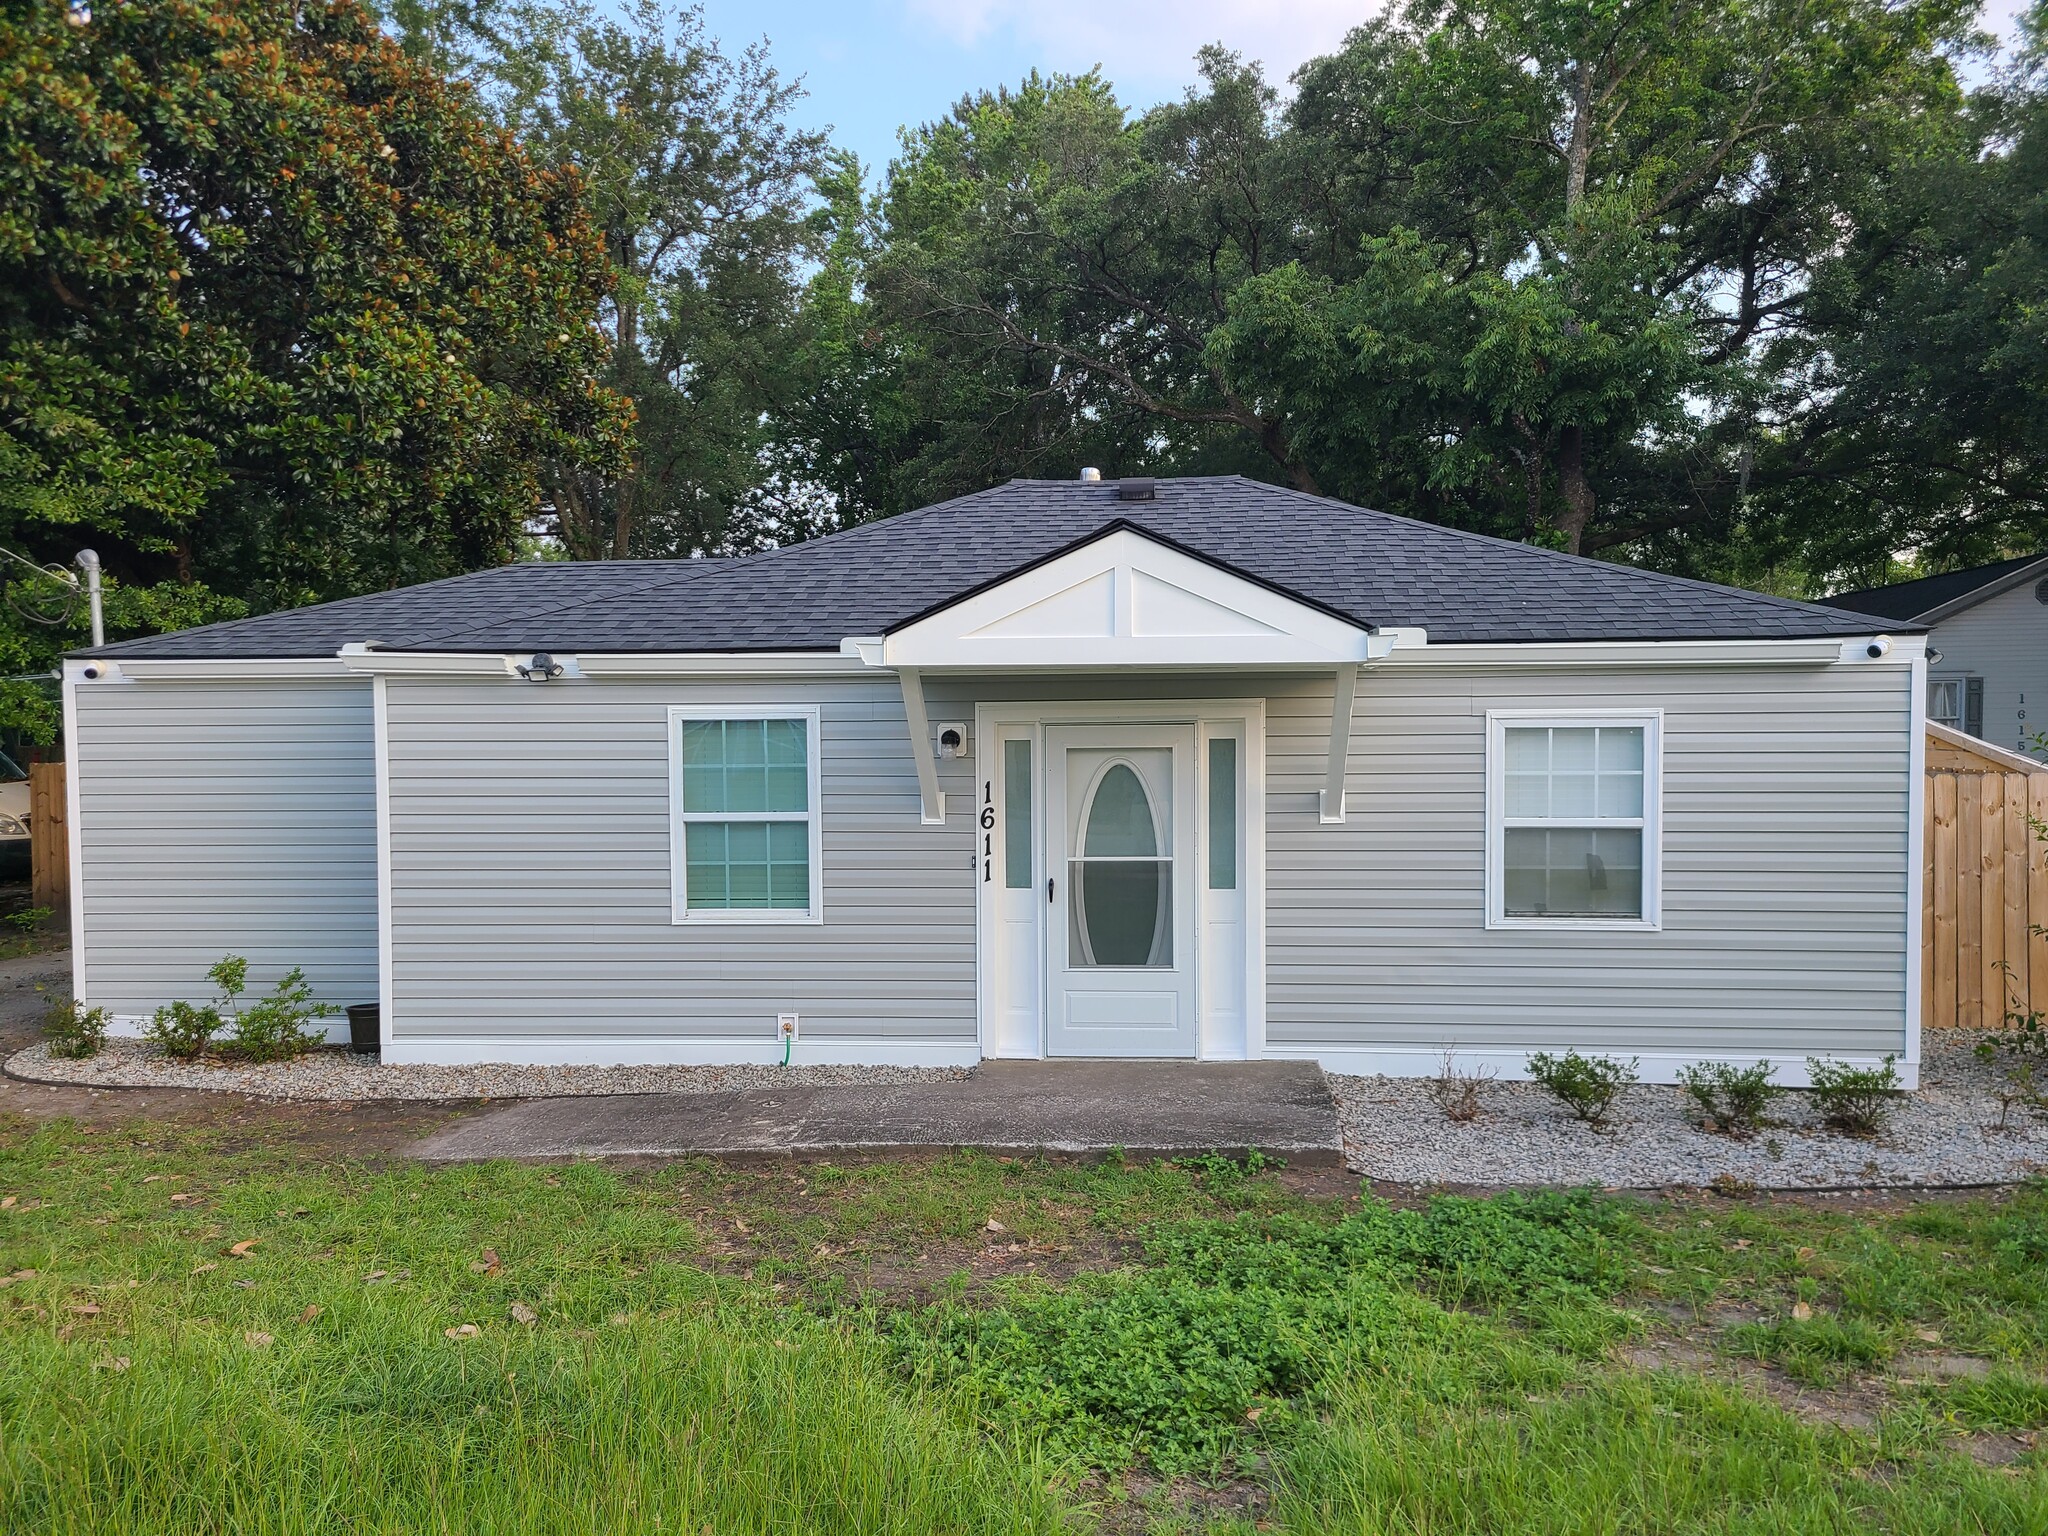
pixel 204 1338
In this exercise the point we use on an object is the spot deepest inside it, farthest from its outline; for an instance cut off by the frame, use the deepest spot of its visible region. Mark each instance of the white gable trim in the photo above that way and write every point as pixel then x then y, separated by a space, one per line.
pixel 1126 600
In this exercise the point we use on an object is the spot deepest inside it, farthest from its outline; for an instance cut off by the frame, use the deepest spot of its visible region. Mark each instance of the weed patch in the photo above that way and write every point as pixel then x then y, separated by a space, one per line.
pixel 1192 1359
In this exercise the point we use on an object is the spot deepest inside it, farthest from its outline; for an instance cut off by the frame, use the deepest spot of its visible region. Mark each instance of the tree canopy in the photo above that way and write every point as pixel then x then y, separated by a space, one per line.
pixel 302 301
pixel 1550 269
pixel 286 317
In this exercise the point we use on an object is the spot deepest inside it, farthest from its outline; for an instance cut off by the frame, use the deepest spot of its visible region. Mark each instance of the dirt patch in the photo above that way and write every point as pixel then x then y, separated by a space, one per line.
pixel 1925 1368
pixel 1135 1501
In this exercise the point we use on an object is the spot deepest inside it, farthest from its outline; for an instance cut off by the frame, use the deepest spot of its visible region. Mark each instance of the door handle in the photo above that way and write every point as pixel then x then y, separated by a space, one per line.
pixel 1048 889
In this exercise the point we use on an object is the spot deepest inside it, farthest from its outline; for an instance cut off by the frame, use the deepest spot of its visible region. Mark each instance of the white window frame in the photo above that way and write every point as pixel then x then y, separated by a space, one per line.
pixel 679 819
pixel 1651 722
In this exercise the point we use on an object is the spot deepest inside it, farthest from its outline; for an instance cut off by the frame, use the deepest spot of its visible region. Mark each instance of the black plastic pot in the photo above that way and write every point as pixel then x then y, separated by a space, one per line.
pixel 365 1028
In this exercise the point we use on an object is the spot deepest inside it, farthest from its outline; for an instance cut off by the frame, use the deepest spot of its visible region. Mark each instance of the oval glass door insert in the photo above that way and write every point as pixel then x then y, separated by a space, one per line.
pixel 1120 882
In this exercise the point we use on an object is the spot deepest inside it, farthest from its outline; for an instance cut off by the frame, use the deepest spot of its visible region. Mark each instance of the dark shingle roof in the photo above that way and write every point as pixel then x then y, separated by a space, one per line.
pixel 1910 599
pixel 1372 566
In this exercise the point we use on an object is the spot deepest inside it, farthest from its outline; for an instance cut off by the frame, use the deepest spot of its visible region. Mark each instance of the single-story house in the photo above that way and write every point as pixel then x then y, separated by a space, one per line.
pixel 1196 768
pixel 1987 657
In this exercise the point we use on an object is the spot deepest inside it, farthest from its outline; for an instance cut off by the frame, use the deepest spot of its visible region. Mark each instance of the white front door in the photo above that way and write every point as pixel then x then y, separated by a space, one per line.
pixel 1120 895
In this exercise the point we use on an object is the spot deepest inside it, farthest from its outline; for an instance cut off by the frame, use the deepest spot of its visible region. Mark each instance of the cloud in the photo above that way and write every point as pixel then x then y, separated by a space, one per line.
pixel 1149 40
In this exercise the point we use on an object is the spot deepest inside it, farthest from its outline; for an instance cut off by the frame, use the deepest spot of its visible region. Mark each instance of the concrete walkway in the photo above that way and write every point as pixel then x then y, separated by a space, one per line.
pixel 1146 1108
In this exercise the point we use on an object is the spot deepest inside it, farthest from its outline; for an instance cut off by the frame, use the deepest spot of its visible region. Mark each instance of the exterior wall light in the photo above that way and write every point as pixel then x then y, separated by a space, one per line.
pixel 541 668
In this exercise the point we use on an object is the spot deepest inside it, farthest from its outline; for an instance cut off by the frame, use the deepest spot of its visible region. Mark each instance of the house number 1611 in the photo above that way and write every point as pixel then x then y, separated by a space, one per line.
pixel 988 830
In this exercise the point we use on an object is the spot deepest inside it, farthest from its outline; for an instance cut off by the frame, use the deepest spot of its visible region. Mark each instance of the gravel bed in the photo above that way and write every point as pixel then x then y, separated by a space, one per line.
pixel 333 1074
pixel 1942 1134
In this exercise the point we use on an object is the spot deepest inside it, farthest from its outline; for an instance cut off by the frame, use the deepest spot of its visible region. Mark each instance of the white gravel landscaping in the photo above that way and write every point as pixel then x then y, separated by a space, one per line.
pixel 341 1077
pixel 1943 1134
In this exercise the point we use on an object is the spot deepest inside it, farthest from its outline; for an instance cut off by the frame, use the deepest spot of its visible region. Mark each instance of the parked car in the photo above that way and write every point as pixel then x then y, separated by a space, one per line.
pixel 13 819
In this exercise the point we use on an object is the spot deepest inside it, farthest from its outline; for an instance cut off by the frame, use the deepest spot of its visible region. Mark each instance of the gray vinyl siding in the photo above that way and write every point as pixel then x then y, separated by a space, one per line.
pixel 531 875
pixel 1785 871
pixel 2003 640
pixel 225 818
pixel 531 868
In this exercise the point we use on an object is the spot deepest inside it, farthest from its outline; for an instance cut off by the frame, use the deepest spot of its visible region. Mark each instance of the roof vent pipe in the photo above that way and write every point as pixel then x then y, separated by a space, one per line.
pixel 1091 474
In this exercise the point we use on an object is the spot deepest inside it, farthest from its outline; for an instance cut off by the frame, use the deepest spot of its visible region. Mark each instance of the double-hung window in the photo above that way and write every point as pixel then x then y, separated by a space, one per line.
pixel 1572 820
pixel 1957 702
pixel 743 796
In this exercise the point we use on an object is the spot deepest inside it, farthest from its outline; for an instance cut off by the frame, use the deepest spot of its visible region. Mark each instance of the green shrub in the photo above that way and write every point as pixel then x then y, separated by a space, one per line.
pixel 1585 1085
pixel 74 1032
pixel 29 919
pixel 183 1029
pixel 1730 1099
pixel 280 1026
pixel 1853 1100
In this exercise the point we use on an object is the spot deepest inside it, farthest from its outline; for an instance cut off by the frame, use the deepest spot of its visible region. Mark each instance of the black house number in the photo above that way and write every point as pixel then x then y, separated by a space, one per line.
pixel 988 824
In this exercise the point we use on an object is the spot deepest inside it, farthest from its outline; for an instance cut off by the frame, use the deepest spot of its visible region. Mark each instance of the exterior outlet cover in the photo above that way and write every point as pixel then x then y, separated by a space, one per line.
pixel 785 1026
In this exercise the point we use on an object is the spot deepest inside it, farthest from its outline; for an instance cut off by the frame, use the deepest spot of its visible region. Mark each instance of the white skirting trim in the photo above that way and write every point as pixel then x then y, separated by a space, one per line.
pixel 132 1025
pixel 1513 1065
pixel 615 1052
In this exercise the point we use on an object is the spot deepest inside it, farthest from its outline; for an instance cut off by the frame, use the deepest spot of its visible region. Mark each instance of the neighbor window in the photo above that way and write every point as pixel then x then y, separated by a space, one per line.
pixel 1573 838
pixel 744 804
pixel 1957 702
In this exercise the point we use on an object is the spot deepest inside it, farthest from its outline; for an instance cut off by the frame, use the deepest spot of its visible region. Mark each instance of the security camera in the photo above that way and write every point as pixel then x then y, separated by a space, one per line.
pixel 91 670
pixel 1878 647
pixel 952 741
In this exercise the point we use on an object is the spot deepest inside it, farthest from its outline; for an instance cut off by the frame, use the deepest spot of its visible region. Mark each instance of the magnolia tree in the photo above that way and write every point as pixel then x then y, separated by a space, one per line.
pixel 287 316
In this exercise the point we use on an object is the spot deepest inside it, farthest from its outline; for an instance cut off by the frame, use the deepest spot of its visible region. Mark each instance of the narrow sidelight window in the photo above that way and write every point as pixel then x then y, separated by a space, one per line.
pixel 1017 815
pixel 1222 813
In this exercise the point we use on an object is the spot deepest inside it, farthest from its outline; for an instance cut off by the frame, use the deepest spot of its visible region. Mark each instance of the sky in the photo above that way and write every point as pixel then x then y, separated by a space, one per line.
pixel 871 66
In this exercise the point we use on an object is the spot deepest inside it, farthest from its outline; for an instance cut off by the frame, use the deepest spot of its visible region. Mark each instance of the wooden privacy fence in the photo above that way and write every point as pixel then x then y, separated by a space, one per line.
pixel 1986 886
pixel 49 840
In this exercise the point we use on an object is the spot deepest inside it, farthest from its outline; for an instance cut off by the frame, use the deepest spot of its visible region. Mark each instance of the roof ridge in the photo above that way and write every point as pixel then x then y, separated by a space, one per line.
pixel 1692 583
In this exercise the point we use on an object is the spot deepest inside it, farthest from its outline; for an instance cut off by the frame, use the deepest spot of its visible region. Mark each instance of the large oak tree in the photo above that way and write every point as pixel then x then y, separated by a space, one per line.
pixel 285 315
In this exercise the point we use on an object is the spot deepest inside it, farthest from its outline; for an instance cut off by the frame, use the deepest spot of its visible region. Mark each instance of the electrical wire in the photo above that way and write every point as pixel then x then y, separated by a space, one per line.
pixel 57 573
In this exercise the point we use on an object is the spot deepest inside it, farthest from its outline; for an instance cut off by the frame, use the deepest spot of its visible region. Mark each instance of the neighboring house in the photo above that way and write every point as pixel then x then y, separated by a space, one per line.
pixel 1987 662
pixel 1201 768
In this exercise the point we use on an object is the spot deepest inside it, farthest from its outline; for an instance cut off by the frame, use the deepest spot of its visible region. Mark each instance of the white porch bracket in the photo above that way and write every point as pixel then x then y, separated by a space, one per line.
pixel 1346 694
pixel 932 804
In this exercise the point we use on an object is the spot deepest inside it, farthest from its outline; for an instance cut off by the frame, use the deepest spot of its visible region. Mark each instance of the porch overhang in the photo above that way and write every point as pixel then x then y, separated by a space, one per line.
pixel 1125 600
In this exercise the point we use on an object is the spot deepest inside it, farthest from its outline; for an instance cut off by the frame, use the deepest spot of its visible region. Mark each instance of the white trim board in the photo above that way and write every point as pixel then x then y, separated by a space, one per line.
pixel 74 833
pixel 226 669
pixel 129 1026
pixel 1917 854
pixel 629 1051
pixel 1512 1065
pixel 1492 656
pixel 380 735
